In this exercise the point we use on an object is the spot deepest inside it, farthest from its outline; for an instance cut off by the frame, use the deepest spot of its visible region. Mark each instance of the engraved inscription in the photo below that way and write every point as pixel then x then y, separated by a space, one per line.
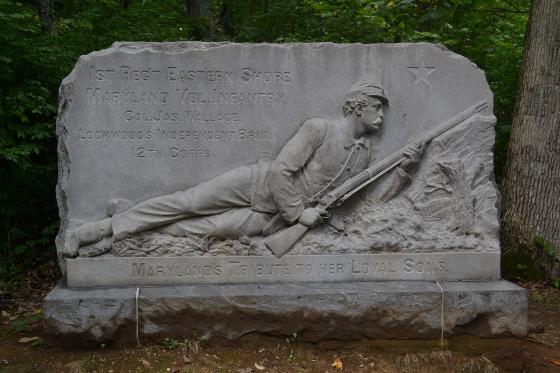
pixel 108 134
pixel 172 152
pixel 123 73
pixel 410 265
pixel 238 134
pixel 378 267
pixel 188 106
pixel 98 96
pixel 291 268
pixel 259 269
pixel 216 97
pixel 250 75
pixel 178 75
pixel 174 74
pixel 128 73
pixel 142 269
pixel 189 116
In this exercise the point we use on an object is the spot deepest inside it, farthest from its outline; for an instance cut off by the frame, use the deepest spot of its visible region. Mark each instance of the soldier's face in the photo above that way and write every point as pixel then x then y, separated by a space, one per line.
pixel 372 114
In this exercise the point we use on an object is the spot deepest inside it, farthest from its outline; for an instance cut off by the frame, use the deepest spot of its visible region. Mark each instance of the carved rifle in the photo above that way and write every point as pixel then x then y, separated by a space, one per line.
pixel 282 241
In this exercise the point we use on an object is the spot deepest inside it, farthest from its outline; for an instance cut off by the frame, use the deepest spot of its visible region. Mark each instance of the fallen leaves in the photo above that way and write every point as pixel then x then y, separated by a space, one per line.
pixel 245 370
pixel 28 339
pixel 259 367
pixel 555 362
pixel 187 359
pixel 146 364
pixel 337 363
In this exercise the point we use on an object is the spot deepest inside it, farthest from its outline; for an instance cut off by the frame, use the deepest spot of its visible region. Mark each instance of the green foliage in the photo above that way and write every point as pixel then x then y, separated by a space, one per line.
pixel 546 246
pixel 520 266
pixel 27 160
pixel 22 325
pixel 530 261
pixel 556 280
pixel 171 344
pixel 291 346
pixel 32 65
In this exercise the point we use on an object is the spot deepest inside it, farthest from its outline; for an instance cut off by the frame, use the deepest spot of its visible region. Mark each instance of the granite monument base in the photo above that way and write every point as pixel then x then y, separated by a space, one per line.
pixel 315 311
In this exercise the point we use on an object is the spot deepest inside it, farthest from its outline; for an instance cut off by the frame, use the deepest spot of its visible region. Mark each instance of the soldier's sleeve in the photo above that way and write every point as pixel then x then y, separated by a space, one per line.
pixel 292 159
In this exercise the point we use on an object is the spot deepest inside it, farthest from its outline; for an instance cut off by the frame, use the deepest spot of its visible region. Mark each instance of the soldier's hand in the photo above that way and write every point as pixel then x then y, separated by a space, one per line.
pixel 412 155
pixel 312 216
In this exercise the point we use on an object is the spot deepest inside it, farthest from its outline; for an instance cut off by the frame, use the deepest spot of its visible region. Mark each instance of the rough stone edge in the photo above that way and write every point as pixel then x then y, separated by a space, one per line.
pixel 316 311
pixel 65 96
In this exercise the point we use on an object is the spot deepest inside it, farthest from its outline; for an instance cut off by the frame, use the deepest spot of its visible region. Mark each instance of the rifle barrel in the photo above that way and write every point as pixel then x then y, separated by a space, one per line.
pixel 361 180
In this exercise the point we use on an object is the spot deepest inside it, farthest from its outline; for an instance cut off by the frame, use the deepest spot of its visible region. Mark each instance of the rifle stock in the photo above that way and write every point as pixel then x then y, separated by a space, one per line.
pixel 282 241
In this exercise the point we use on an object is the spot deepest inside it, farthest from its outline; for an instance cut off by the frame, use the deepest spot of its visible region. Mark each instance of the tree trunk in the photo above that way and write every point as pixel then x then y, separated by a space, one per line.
pixel 47 16
pixel 226 18
pixel 531 189
pixel 199 16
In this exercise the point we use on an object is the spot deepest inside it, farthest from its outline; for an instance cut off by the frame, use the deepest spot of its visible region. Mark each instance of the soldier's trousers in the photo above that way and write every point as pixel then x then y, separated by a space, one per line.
pixel 220 207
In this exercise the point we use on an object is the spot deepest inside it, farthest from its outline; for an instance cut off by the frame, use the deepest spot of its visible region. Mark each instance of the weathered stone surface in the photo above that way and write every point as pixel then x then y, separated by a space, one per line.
pixel 89 316
pixel 139 120
pixel 315 311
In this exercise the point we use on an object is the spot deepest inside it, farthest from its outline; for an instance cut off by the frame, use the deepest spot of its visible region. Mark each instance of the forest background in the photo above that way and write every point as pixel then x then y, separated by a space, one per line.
pixel 39 47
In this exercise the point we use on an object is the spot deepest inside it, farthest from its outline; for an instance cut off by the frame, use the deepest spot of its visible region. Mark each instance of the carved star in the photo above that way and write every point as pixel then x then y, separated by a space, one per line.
pixel 421 72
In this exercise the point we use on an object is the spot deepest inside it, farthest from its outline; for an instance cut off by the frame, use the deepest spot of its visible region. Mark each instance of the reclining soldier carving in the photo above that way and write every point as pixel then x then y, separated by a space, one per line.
pixel 258 199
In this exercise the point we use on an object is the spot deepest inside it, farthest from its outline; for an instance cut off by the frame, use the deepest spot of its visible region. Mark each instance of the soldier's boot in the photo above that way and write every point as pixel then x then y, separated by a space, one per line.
pixel 94 231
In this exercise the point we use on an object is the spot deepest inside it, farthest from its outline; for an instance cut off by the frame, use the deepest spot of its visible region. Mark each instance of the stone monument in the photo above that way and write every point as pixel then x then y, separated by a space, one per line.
pixel 334 191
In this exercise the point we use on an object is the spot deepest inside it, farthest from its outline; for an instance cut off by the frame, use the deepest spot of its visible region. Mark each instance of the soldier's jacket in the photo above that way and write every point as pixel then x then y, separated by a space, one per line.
pixel 317 159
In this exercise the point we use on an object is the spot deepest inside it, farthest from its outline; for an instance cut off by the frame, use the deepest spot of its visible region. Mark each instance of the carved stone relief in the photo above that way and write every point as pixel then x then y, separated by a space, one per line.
pixel 214 149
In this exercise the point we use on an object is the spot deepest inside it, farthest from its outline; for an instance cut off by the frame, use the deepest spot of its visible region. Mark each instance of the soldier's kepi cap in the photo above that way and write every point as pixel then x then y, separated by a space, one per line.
pixel 368 89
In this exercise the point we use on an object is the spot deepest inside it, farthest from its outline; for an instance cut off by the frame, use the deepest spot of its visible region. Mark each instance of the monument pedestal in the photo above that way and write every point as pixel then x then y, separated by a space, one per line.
pixel 315 311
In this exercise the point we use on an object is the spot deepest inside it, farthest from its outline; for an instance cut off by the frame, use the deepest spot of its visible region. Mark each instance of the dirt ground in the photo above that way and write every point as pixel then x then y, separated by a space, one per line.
pixel 21 348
